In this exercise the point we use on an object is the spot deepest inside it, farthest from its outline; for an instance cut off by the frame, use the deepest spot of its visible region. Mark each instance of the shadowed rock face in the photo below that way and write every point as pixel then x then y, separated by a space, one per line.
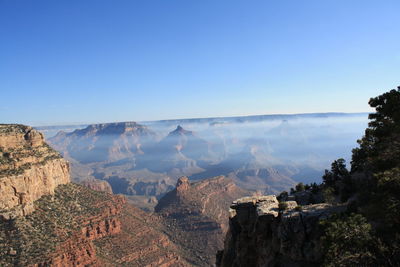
pixel 197 214
pixel 260 235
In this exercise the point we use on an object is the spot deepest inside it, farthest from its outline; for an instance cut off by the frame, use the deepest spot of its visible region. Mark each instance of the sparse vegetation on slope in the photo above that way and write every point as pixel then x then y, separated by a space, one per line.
pixel 21 147
pixel 57 218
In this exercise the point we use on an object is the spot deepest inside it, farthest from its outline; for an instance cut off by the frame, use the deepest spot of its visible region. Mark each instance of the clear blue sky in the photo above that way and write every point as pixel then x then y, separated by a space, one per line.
pixel 101 61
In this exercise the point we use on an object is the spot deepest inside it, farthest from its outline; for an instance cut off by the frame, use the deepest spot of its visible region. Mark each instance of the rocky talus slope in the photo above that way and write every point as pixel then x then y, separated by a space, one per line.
pixel 197 216
pixel 261 235
pixel 48 221
pixel 29 169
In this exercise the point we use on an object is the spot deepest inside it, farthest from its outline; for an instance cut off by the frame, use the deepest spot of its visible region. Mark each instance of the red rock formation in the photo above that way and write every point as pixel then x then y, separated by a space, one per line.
pixel 182 184
pixel 81 227
pixel 68 224
pixel 79 249
pixel 140 243
pixel 197 215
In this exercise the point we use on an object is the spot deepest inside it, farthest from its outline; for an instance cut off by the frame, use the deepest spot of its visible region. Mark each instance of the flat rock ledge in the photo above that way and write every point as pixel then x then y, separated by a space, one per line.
pixel 264 205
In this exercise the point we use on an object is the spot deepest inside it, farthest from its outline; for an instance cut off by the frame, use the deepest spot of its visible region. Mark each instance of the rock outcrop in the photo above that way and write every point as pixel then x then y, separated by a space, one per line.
pixel 98 185
pixel 262 235
pixel 29 169
pixel 197 215
pixel 253 168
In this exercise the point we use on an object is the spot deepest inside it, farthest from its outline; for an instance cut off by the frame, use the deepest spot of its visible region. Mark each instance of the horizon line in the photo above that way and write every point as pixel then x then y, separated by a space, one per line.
pixel 202 118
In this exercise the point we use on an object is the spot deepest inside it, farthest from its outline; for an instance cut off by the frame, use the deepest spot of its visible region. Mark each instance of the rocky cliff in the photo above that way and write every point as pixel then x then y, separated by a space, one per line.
pixel 29 169
pixel 48 221
pixel 197 216
pixel 262 235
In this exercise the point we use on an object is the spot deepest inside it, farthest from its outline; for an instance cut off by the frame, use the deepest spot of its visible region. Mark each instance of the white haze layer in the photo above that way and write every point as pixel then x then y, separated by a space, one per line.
pixel 302 142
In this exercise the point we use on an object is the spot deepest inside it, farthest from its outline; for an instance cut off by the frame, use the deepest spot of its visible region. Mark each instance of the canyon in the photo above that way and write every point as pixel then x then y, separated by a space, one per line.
pixel 48 221
pixel 197 215
pixel 268 154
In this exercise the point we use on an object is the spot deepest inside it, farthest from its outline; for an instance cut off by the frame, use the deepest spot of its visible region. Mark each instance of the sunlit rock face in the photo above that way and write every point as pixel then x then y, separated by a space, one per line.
pixel 29 169
pixel 98 185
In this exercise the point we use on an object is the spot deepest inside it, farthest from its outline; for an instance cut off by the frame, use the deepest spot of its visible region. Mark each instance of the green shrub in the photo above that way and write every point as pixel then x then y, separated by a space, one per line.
pixel 282 196
pixel 347 241
pixel 300 187
pixel 298 208
pixel 328 193
pixel 282 206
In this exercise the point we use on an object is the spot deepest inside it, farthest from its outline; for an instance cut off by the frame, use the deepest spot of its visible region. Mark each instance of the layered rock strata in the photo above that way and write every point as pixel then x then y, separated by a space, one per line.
pixel 197 216
pixel 47 221
pixel 141 242
pixel 61 229
pixel 29 169
pixel 80 227
pixel 261 235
